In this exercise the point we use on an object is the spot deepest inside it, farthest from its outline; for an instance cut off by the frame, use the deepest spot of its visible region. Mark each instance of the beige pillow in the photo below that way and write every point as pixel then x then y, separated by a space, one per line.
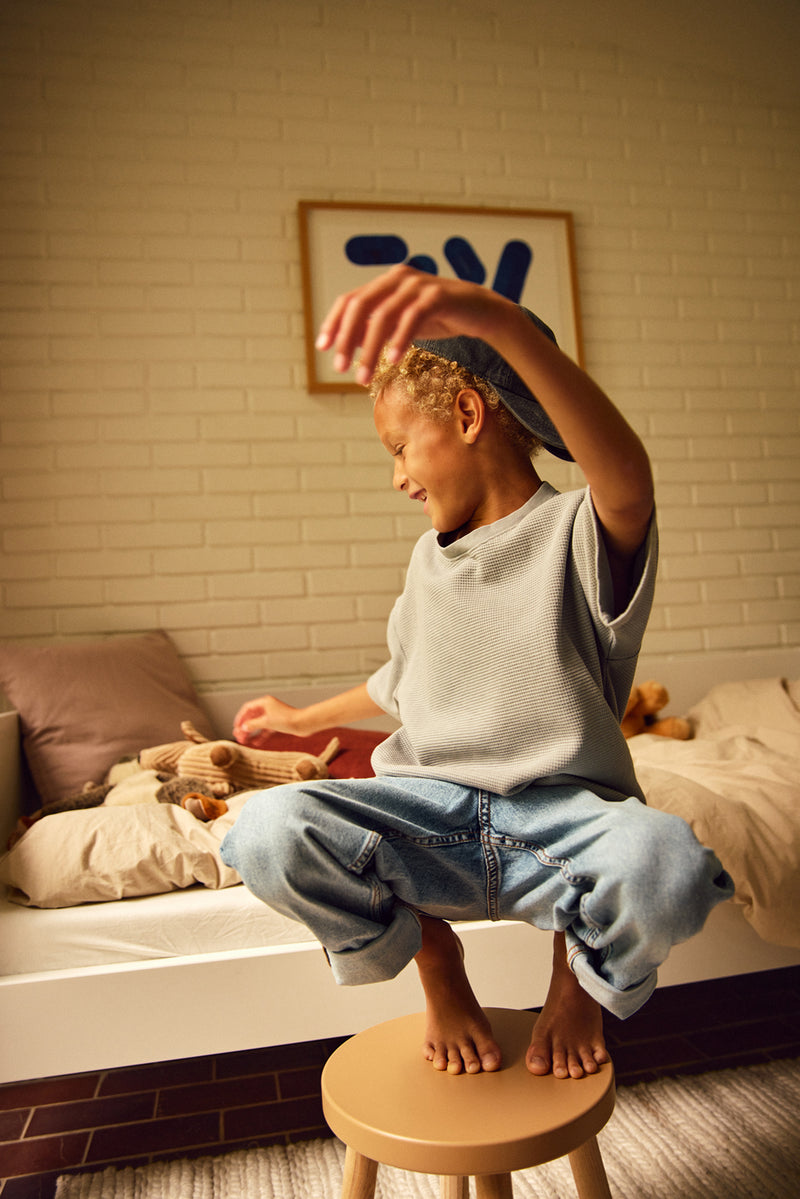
pixel 749 703
pixel 85 705
pixel 102 854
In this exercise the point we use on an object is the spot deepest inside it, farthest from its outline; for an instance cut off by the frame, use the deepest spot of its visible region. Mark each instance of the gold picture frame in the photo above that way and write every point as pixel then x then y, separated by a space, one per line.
pixel 528 254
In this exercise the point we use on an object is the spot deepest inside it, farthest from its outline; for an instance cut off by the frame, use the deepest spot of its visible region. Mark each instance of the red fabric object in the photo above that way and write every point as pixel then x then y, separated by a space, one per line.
pixel 352 760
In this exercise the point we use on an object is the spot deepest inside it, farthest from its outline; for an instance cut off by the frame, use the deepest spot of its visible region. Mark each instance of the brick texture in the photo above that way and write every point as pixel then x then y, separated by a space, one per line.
pixel 216 1104
pixel 162 461
pixel 169 1109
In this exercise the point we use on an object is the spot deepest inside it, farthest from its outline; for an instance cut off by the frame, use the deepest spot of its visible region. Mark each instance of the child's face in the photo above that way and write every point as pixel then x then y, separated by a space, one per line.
pixel 432 462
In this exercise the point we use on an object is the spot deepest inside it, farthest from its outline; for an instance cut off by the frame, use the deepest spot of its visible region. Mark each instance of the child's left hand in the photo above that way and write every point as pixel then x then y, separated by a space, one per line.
pixel 256 719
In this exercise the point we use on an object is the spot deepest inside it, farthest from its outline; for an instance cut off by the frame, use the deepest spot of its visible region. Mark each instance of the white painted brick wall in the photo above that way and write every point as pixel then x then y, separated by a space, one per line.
pixel 162 461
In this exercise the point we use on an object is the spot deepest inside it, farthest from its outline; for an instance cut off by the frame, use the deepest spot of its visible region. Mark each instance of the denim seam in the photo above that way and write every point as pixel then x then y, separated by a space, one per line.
pixel 370 845
pixel 594 929
pixel 381 907
pixel 561 864
pixel 491 858
pixel 463 838
pixel 573 952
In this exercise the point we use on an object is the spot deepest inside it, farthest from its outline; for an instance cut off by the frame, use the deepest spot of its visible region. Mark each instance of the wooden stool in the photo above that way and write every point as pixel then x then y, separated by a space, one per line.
pixel 388 1105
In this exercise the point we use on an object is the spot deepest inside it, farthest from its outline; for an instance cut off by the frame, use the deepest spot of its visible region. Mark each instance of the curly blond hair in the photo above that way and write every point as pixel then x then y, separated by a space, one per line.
pixel 432 384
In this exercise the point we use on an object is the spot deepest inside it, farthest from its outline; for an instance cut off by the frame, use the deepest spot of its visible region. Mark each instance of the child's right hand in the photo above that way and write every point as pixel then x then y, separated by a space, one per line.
pixel 403 304
pixel 256 719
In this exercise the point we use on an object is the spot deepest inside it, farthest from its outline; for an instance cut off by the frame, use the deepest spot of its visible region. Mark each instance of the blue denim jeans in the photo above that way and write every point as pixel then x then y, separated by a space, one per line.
pixel 352 858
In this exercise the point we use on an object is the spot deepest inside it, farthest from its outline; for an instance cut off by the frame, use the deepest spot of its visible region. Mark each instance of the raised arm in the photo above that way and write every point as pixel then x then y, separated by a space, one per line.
pixel 608 451
pixel 405 304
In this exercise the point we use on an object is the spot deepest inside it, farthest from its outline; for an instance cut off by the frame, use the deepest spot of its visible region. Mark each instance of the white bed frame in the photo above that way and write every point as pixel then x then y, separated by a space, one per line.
pixel 98 1017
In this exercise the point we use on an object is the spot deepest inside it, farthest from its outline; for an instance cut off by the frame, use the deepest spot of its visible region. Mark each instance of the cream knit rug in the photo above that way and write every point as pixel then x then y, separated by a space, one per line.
pixel 734 1134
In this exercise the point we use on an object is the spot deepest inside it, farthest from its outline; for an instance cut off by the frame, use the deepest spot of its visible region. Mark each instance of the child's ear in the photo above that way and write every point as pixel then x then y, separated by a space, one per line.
pixel 470 413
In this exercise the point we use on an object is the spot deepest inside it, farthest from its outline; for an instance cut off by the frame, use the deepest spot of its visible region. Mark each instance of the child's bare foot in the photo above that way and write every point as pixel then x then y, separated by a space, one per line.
pixel 568 1035
pixel 458 1035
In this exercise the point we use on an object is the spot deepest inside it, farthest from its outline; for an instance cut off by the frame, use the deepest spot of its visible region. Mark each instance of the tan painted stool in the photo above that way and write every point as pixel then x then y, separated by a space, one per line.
pixel 388 1105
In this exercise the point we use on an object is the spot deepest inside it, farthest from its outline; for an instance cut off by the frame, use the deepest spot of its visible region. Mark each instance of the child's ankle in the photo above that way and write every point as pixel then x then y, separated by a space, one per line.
pixel 438 941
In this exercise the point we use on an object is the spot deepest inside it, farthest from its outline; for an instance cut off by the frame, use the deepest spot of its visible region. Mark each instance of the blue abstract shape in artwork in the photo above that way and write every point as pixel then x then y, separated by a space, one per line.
pixel 465 262
pixel 512 270
pixel 376 249
pixel 424 262
pixel 387 249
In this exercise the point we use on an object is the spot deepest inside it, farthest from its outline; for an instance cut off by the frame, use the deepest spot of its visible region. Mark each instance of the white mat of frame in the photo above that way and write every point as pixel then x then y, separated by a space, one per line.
pixel 733 1133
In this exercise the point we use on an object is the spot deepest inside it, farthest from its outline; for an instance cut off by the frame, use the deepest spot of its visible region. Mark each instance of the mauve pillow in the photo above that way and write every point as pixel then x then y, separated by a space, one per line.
pixel 85 705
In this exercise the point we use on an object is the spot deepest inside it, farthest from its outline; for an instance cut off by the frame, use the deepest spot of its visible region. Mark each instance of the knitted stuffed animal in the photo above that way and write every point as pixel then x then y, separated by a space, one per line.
pixel 225 767
pixel 640 714
pixel 195 773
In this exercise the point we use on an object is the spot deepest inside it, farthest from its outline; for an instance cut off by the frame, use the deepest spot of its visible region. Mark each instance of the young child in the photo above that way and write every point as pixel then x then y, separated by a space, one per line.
pixel 508 791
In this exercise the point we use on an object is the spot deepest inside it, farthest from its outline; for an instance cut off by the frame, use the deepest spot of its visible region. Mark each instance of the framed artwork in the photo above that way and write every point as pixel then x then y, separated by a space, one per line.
pixel 526 255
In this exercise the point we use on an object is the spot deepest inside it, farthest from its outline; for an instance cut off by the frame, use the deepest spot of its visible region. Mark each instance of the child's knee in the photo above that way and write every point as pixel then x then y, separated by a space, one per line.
pixel 676 877
pixel 259 846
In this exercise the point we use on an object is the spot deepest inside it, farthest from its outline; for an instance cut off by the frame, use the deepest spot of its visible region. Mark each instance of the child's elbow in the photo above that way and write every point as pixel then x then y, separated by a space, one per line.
pixel 636 499
pixel 626 523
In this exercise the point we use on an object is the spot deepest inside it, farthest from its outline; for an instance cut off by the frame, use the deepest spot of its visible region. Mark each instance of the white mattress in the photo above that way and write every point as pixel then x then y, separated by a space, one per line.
pixel 194 921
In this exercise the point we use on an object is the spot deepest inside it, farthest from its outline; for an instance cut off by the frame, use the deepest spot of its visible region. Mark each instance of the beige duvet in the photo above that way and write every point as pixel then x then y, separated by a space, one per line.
pixel 737 783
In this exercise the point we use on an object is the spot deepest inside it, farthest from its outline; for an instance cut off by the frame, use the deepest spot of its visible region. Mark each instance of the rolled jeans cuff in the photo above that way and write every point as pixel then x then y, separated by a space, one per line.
pixel 383 957
pixel 620 1003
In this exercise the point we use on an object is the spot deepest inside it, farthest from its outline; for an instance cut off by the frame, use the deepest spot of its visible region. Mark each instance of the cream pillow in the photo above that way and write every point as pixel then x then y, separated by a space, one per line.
pixel 102 854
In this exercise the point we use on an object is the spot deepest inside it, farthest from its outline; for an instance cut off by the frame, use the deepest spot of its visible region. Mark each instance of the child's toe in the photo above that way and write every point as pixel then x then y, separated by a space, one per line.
pixel 537 1064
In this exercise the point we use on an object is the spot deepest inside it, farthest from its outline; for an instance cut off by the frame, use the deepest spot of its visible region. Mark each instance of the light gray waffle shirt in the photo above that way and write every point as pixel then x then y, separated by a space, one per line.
pixel 507 667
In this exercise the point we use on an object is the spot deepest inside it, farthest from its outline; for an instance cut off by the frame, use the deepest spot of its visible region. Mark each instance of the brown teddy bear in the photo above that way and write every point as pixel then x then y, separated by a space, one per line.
pixel 645 702
pixel 225 767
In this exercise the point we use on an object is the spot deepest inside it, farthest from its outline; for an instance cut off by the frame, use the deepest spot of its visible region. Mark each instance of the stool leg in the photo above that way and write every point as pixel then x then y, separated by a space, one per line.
pixel 359 1176
pixel 493 1186
pixel 454 1186
pixel 589 1172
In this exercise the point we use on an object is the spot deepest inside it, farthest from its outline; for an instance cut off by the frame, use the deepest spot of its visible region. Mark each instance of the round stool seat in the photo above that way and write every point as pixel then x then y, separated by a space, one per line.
pixel 386 1102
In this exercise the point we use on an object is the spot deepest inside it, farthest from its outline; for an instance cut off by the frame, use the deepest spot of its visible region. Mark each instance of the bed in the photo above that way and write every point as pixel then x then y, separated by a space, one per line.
pixel 202 969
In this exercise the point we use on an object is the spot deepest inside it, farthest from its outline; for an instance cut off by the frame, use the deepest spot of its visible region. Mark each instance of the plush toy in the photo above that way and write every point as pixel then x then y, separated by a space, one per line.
pixel 225 767
pixel 125 787
pixel 645 702
pixel 195 773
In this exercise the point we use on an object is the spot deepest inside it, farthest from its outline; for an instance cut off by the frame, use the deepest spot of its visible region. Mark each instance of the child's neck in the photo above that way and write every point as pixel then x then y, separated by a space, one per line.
pixel 509 490
pixel 512 492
